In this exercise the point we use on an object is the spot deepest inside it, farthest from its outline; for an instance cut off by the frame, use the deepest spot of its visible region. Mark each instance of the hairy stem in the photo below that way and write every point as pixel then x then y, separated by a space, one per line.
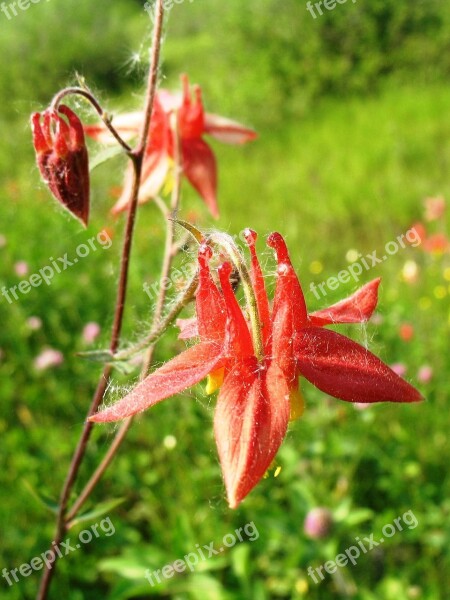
pixel 137 156
pixel 157 328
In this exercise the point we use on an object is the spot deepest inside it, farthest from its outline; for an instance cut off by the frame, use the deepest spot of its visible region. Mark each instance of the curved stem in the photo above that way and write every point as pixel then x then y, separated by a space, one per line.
pixel 86 93
pixel 61 521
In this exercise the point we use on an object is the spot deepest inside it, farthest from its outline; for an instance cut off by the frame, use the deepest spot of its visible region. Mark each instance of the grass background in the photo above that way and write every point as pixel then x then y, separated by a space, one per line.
pixel 352 114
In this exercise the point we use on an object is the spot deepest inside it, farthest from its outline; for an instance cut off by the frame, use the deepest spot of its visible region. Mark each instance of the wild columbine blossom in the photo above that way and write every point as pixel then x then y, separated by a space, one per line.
pixel 257 363
pixel 198 160
pixel 62 158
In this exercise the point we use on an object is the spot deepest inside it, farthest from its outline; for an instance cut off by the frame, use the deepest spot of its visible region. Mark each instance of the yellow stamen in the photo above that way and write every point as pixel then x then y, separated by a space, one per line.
pixel 215 380
pixel 272 467
pixel 297 405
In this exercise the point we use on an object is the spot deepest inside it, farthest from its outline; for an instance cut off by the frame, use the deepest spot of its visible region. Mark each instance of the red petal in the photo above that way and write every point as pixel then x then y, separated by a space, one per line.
pixel 239 342
pixel 210 305
pixel 288 290
pixel 188 328
pixel 344 369
pixel 250 423
pixel 127 125
pixel 183 371
pixel 39 141
pixel 289 309
pixel 76 127
pixel 191 112
pixel 259 287
pixel 154 173
pixel 228 131
pixel 199 165
pixel 357 308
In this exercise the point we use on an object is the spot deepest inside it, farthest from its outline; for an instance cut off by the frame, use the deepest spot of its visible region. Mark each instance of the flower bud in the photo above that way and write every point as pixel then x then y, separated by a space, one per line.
pixel 62 158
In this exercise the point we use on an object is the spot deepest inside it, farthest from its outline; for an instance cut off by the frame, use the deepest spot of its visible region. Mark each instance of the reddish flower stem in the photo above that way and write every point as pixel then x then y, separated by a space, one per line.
pixel 157 328
pixel 137 157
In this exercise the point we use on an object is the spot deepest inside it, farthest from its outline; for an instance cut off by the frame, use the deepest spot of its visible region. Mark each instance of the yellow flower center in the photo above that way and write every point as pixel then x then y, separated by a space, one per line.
pixel 297 404
pixel 214 381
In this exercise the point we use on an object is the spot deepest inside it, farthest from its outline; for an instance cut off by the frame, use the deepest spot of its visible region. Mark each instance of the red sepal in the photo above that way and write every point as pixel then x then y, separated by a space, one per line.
pixel 183 371
pixel 344 369
pixel 357 308
pixel 250 423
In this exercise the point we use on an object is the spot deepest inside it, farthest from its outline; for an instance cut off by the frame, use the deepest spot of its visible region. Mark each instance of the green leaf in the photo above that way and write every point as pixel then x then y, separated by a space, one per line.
pixel 240 562
pixel 49 503
pixel 134 561
pixel 123 366
pixel 98 511
pixel 104 156
pixel 102 356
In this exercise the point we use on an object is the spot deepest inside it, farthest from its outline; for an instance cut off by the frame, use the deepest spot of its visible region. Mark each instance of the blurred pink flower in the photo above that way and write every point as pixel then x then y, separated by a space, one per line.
pixel 425 374
pixel 90 332
pixel 48 358
pixel 34 323
pixel 399 368
pixel 318 523
pixel 434 208
pixel 21 268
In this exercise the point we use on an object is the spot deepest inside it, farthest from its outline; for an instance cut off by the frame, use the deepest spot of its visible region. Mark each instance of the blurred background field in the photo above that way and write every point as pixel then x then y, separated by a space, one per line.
pixel 352 111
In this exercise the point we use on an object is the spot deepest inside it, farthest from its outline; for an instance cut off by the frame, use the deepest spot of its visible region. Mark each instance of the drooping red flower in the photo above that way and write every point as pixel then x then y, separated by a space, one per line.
pixel 257 364
pixel 198 160
pixel 62 158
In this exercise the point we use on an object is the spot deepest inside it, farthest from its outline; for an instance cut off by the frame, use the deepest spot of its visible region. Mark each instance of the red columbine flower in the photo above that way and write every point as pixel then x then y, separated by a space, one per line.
pixel 199 163
pixel 62 158
pixel 257 364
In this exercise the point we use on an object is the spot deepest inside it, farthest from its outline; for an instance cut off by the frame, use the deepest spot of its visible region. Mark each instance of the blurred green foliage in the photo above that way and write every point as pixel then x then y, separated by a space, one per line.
pixel 352 110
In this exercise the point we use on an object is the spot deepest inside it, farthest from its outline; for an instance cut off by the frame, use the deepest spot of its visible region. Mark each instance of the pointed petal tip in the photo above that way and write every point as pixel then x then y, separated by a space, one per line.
pixel 233 503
